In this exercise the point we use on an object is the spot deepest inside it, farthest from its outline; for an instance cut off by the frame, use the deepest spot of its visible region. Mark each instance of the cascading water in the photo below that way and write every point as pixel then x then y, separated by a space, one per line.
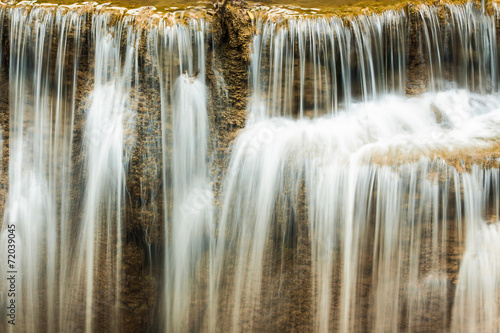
pixel 306 66
pixel 378 234
pixel 41 106
pixel 74 144
pixel 107 145
pixel 451 52
pixel 191 195
pixel 363 194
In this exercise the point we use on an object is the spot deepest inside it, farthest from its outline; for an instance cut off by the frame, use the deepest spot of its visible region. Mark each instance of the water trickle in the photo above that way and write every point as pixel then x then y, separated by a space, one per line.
pixel 188 199
pixel 192 225
pixel 477 291
pixel 450 48
pixel 311 67
pixel 78 137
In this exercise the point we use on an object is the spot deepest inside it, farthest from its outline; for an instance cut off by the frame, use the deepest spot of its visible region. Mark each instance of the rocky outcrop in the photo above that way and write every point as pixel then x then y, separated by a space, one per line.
pixel 228 59
pixel 4 109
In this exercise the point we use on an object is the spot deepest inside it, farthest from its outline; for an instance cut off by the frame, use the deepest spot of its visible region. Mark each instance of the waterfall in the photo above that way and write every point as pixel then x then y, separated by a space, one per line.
pixel 467 30
pixel 42 86
pixel 326 51
pixel 361 197
pixel 374 225
pixel 75 144
pixel 188 199
pixel 362 193
pixel 109 125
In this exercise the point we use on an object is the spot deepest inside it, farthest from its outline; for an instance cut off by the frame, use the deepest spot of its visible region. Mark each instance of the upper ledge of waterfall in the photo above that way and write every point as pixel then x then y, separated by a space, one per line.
pixel 143 16
pixel 150 13
pixel 177 11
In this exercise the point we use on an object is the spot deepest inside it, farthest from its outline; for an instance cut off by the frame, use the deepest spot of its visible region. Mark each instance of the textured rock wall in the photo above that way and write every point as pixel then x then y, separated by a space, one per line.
pixel 228 60
pixel 4 112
